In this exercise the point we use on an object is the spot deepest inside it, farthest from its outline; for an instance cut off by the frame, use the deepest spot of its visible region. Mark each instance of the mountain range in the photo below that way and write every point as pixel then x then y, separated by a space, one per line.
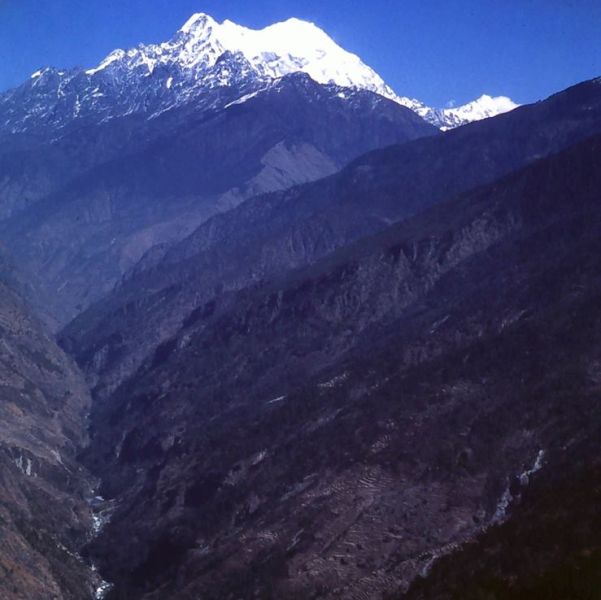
pixel 231 61
pixel 270 330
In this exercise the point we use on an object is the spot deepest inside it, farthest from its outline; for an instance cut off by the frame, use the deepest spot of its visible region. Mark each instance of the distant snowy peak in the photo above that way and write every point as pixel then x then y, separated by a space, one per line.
pixel 482 108
pixel 450 118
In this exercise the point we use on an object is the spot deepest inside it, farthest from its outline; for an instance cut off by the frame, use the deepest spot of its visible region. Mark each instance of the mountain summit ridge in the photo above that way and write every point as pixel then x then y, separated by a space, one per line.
pixel 209 63
pixel 280 49
pixel 287 47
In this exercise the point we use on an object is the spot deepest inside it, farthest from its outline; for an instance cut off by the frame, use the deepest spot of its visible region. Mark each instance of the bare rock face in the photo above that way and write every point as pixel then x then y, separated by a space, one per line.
pixel 335 432
pixel 44 515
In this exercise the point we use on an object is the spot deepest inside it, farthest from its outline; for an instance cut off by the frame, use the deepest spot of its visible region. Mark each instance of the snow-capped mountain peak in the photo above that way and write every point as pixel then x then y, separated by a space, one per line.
pixel 279 49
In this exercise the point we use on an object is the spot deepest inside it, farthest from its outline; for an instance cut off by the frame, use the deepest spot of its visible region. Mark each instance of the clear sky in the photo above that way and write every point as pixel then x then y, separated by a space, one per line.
pixel 439 51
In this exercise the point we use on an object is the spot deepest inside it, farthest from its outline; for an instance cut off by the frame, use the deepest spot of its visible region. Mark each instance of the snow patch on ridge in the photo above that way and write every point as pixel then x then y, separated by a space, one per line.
pixel 244 99
pixel 114 56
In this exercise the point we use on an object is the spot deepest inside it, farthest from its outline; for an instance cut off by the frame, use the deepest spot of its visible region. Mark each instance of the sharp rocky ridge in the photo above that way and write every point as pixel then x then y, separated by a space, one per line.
pixel 203 56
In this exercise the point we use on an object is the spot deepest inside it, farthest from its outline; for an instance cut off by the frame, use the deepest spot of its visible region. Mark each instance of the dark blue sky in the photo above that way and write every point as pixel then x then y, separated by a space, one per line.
pixel 434 50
